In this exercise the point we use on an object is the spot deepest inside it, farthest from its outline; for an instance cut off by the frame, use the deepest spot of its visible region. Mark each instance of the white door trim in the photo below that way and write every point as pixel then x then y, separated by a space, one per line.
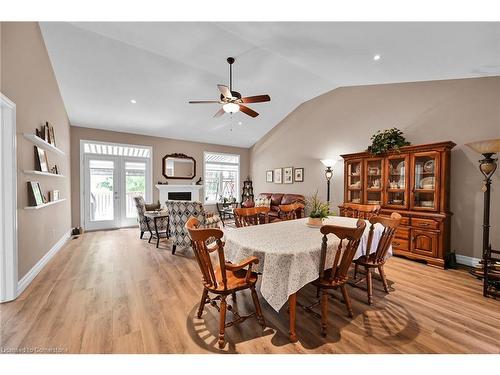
pixel 8 201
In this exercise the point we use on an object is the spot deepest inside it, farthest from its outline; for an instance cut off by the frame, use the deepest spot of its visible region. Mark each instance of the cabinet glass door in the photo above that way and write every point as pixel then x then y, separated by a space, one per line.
pixel 397 181
pixel 354 181
pixel 425 181
pixel 374 181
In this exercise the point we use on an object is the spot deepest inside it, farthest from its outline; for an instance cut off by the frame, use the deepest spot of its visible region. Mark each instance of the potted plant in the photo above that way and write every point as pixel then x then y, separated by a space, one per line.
pixel 318 210
pixel 387 140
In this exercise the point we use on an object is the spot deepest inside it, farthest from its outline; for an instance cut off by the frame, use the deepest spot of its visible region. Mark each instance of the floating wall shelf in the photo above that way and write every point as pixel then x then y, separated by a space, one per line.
pixel 40 173
pixel 44 205
pixel 42 143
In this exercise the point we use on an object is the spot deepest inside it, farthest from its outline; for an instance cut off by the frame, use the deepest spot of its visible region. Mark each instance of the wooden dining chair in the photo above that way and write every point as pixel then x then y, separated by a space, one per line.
pixel 289 211
pixel 336 276
pixel 377 259
pixel 224 280
pixel 244 217
pixel 359 211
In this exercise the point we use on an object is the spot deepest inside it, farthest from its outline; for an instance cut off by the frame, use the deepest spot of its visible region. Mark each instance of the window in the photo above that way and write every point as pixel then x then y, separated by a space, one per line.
pixel 222 176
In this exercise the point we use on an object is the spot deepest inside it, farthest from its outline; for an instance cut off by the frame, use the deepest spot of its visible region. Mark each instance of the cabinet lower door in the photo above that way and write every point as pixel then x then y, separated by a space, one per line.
pixel 424 243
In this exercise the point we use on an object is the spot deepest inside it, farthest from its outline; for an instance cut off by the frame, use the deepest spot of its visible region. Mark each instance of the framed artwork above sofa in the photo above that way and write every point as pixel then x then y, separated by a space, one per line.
pixel 278 175
pixel 269 176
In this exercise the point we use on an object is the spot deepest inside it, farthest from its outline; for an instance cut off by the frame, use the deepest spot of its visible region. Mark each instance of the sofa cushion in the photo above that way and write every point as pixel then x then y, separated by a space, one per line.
pixel 276 199
pixel 292 198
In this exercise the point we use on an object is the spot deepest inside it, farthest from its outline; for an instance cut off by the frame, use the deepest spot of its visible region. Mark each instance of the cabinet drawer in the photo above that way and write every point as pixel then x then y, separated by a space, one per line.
pixel 424 223
pixel 400 244
pixel 404 221
pixel 403 233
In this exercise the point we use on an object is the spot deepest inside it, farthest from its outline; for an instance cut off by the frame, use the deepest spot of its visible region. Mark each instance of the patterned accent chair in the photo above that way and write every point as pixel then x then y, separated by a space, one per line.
pixel 180 212
pixel 142 207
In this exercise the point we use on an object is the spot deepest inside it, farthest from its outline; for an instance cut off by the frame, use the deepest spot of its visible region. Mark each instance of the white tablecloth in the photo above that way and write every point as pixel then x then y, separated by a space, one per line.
pixel 289 253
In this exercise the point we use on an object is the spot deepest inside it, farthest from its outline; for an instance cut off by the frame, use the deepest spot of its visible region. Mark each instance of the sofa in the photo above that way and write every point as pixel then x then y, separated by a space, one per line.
pixel 277 199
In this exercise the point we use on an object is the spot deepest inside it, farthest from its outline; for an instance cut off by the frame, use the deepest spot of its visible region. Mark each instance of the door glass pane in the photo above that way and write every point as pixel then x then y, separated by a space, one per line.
pixel 374 181
pixel 397 182
pixel 425 182
pixel 101 189
pixel 135 185
pixel 354 182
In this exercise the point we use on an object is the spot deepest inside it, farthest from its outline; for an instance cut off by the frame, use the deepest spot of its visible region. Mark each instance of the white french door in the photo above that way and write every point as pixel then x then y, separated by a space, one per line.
pixel 110 185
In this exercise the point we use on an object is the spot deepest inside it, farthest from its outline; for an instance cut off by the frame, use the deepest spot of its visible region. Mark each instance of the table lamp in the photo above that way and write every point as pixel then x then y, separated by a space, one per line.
pixel 487 166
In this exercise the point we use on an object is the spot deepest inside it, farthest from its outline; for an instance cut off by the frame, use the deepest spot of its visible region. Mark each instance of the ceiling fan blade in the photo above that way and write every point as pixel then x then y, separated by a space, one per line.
pixel 248 111
pixel 204 101
pixel 219 113
pixel 224 90
pixel 256 99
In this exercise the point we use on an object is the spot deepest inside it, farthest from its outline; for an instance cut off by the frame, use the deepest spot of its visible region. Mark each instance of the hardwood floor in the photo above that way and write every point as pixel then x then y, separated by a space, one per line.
pixel 109 292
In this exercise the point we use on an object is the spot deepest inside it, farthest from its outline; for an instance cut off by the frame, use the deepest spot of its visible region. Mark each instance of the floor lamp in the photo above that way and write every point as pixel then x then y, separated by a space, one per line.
pixel 487 166
pixel 328 163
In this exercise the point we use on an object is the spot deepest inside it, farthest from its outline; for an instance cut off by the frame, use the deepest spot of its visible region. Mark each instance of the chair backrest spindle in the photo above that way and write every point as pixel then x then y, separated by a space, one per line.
pixel 349 241
pixel 199 241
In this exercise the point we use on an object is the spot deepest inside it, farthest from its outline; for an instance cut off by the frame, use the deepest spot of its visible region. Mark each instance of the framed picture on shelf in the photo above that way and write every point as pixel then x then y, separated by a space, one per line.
pixel 52 138
pixel 288 175
pixel 41 162
pixel 299 175
pixel 54 195
pixel 46 129
pixel 35 196
pixel 269 176
pixel 277 176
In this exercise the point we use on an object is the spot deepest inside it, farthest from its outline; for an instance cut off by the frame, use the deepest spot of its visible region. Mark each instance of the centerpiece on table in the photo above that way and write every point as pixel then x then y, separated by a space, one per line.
pixel 318 210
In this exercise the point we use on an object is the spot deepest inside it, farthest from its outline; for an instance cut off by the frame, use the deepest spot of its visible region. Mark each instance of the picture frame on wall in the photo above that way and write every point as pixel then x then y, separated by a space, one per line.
pixel 288 175
pixel 269 176
pixel 35 196
pixel 41 161
pixel 278 175
pixel 298 175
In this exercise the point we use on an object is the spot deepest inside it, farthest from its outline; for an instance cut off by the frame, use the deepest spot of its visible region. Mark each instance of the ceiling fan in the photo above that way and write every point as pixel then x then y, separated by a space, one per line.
pixel 232 101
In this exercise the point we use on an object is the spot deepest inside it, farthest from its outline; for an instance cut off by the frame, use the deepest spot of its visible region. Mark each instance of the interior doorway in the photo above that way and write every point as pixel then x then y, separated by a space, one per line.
pixel 112 175
pixel 8 200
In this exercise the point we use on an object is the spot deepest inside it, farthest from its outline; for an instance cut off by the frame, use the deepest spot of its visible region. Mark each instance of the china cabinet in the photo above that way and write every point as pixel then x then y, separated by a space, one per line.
pixel 414 182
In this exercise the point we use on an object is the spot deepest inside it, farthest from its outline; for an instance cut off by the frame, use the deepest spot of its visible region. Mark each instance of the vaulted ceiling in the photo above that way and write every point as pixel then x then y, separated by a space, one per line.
pixel 101 67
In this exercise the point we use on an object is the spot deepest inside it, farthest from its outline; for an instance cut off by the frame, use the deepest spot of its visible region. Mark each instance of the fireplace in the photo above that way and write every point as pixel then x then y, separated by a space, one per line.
pixel 179 192
pixel 179 195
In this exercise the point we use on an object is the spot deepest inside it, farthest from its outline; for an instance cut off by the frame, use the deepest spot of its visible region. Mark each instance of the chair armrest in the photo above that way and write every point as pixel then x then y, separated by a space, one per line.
pixel 239 266
pixel 247 262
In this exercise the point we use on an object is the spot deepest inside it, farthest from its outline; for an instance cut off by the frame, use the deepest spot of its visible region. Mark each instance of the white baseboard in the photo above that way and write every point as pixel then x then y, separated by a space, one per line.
pixel 467 261
pixel 32 273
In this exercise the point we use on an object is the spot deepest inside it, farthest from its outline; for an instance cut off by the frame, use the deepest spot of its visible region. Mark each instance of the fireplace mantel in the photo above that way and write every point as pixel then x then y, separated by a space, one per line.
pixel 195 191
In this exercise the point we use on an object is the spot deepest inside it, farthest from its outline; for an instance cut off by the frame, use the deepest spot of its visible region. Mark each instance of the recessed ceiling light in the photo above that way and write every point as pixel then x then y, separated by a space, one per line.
pixel 133 101
pixel 376 57
pixel 240 123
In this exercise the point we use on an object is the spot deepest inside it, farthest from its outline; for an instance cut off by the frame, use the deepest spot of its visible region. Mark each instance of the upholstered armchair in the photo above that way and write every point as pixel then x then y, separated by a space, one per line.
pixel 142 207
pixel 179 212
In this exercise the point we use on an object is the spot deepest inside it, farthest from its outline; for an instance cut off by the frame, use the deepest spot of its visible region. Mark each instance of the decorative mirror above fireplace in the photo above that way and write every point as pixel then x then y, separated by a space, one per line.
pixel 179 166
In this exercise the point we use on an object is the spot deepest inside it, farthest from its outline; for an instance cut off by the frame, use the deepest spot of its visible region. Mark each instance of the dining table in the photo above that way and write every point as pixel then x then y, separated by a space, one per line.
pixel 289 256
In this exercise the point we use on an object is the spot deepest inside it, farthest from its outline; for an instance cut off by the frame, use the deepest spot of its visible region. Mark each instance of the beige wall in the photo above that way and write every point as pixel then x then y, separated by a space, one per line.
pixel 161 147
pixel 343 120
pixel 28 80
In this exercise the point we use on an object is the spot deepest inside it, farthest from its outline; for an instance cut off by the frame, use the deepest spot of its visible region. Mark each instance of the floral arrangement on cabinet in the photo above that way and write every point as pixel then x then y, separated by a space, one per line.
pixel 387 140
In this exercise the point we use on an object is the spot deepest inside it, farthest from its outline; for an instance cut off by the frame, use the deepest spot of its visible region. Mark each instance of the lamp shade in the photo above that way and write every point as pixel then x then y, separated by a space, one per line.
pixel 490 146
pixel 231 108
pixel 328 162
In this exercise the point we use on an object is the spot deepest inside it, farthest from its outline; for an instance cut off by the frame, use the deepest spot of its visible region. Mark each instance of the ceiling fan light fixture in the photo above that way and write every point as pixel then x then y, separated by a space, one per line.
pixel 231 108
